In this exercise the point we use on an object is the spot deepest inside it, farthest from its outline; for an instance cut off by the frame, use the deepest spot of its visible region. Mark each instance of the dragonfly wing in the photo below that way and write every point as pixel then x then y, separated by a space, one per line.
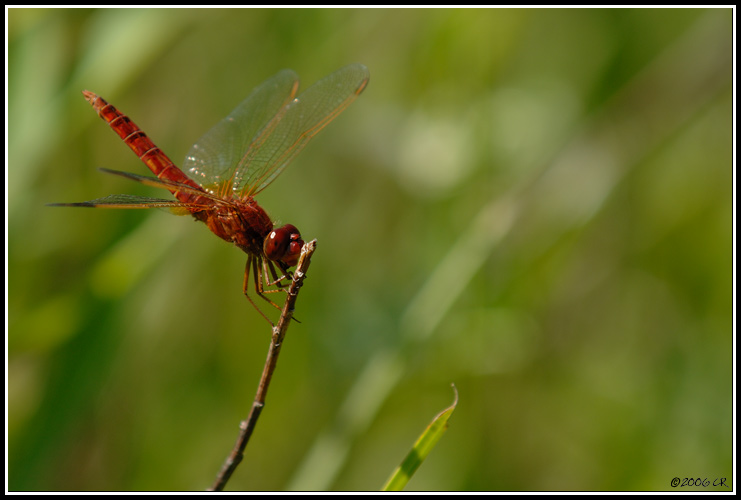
pixel 213 160
pixel 294 125
pixel 131 201
pixel 165 184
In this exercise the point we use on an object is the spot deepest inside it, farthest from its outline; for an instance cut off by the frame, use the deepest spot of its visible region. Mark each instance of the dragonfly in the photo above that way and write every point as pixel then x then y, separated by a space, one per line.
pixel 233 162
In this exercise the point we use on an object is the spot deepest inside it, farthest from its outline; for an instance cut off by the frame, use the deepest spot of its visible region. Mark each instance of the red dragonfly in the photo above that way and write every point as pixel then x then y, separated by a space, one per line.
pixel 235 160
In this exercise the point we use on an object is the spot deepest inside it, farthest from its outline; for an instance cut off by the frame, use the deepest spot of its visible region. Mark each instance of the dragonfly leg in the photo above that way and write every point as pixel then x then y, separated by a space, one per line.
pixel 251 263
pixel 259 278
pixel 278 282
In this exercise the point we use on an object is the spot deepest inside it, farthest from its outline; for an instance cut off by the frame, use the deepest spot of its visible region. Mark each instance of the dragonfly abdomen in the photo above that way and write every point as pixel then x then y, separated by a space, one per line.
pixel 152 156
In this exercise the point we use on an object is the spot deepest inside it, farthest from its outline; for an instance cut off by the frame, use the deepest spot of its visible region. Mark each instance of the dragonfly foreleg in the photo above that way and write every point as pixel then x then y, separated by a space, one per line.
pixel 277 282
pixel 261 288
pixel 252 263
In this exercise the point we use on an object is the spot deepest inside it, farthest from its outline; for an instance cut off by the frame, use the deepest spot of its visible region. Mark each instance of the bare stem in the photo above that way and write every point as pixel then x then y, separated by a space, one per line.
pixel 279 332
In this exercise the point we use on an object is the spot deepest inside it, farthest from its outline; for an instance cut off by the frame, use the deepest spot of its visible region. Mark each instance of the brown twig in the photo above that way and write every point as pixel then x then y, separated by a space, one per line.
pixel 279 332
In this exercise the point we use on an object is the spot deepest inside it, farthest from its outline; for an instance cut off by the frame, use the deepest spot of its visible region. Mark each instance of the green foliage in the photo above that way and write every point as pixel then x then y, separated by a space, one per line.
pixel 422 447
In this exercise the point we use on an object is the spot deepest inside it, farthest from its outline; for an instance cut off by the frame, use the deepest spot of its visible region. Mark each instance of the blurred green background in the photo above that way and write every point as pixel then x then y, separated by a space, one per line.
pixel 535 205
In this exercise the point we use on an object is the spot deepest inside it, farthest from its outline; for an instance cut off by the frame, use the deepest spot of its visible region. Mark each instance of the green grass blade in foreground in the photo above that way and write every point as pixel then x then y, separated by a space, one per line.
pixel 421 449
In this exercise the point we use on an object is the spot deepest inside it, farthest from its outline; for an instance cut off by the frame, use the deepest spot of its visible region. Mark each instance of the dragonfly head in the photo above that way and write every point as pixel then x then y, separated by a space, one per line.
pixel 284 245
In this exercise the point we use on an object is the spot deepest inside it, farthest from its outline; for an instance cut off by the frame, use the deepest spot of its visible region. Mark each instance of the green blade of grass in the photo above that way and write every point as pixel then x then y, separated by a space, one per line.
pixel 421 449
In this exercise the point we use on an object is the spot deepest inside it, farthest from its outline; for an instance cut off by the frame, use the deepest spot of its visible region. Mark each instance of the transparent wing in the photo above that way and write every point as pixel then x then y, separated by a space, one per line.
pixel 213 160
pixel 167 184
pixel 131 201
pixel 294 125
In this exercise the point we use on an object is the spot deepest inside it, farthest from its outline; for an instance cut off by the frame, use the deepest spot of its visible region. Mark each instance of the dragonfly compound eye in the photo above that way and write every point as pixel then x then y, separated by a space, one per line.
pixel 284 244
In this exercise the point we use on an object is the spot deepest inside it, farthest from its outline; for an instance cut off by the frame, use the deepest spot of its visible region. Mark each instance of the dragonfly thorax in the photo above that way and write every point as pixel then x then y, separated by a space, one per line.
pixel 242 222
